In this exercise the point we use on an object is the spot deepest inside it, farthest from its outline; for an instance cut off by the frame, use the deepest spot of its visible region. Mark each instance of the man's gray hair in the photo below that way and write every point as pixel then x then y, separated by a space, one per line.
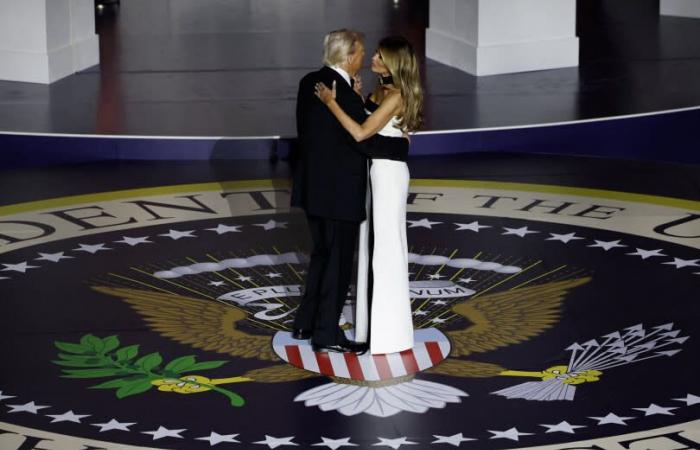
pixel 339 44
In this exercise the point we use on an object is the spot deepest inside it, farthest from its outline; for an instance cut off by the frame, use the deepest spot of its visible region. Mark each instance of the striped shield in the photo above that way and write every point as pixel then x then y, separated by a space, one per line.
pixel 430 347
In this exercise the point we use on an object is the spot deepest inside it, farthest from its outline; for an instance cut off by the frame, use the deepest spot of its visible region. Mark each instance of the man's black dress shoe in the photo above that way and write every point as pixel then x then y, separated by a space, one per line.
pixel 337 348
pixel 356 347
pixel 302 334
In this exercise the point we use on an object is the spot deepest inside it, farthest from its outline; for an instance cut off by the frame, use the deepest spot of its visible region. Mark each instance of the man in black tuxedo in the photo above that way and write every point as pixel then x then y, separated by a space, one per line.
pixel 330 183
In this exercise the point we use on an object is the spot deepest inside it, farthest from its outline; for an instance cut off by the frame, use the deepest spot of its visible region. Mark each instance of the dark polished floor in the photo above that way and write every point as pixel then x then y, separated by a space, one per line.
pixel 231 68
pixel 660 179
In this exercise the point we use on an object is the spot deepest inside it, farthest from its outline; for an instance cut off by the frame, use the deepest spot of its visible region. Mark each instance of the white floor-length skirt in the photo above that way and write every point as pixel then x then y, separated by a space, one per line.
pixel 391 324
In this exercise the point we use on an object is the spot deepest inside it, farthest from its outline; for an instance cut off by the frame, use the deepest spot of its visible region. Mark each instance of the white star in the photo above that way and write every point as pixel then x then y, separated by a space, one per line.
pixel 334 444
pixel 423 223
pixel 242 278
pixel 271 225
pixel 647 253
pixel 466 280
pixel 563 427
pixel 439 302
pixel 216 283
pixel 5 397
pixel 655 409
pixel 518 231
pixel 92 249
pixel 53 257
pixel 30 407
pixel 435 276
pixel 438 320
pixel 474 226
pixel 455 439
pixel 683 262
pixel 216 438
pixel 114 425
pixel 565 238
pixel 394 443
pixel 162 432
pixel 513 434
pixel 175 235
pixel 689 399
pixel 21 267
pixel 273 442
pixel 69 416
pixel 222 229
pixel 612 418
pixel 274 275
pixel 419 312
pixel 607 245
pixel 133 241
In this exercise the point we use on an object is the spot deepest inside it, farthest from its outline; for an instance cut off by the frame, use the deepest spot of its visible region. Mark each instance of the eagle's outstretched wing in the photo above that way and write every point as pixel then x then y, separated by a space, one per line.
pixel 200 323
pixel 509 317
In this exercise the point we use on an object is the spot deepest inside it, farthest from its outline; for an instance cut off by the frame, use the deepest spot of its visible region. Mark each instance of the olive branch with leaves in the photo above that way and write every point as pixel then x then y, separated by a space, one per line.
pixel 95 357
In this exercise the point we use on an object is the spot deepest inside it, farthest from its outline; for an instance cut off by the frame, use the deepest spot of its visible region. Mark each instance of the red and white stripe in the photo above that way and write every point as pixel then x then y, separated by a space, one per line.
pixel 431 347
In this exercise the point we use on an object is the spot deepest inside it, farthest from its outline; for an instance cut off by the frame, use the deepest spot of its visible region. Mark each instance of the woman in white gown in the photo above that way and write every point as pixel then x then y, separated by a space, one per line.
pixel 395 109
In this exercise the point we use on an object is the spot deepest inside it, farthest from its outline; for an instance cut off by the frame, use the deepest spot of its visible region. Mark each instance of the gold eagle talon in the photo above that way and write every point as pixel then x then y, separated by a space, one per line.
pixel 561 372
pixel 192 384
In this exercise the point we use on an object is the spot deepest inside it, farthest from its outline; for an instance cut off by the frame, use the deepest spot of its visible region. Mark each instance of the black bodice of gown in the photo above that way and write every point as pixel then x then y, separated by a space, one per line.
pixel 395 148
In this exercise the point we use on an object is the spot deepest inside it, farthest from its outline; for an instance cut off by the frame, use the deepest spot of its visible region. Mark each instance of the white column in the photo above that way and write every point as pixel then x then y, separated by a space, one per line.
pixel 42 41
pixel 487 37
pixel 680 8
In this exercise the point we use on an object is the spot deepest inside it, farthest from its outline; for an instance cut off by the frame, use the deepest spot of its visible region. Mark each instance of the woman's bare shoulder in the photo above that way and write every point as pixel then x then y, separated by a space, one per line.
pixel 392 97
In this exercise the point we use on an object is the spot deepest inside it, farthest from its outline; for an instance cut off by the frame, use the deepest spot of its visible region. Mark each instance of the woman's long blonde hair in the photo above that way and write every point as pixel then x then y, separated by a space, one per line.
pixel 400 59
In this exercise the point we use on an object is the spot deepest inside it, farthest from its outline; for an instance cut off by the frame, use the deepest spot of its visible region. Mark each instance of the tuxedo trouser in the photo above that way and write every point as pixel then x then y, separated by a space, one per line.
pixel 328 279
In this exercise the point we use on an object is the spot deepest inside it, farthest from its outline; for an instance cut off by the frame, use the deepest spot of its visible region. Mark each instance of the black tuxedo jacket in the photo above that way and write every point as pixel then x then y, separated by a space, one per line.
pixel 330 179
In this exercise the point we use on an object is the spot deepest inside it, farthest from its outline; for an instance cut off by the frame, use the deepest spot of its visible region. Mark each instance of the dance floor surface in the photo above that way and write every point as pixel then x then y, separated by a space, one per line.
pixel 147 301
pixel 148 305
